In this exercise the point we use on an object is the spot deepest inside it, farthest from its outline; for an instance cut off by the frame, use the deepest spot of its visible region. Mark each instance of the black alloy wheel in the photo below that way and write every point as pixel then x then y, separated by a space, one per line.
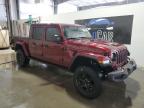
pixel 87 83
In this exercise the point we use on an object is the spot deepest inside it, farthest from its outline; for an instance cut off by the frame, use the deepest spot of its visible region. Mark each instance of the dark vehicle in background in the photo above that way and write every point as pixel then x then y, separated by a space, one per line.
pixel 71 47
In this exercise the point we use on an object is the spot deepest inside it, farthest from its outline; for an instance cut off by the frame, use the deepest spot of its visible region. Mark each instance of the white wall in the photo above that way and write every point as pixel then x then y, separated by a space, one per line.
pixel 137 41
pixel 65 8
pixel 27 8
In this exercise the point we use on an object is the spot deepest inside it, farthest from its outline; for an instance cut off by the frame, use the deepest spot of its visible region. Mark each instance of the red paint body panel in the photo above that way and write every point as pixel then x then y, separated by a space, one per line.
pixel 65 52
pixel 23 42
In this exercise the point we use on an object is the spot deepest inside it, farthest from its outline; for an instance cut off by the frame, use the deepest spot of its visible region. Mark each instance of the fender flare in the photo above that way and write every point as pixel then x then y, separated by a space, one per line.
pixel 91 56
pixel 23 47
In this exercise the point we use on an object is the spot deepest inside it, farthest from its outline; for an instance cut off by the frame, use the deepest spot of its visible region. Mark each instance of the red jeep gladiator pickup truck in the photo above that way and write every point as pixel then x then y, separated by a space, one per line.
pixel 71 47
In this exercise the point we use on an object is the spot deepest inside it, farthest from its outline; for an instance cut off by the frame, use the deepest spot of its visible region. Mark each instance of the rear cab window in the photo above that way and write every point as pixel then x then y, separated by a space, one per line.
pixel 38 32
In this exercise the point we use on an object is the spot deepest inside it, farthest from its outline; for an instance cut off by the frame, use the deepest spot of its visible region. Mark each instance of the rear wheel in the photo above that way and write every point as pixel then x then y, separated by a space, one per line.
pixel 87 83
pixel 22 60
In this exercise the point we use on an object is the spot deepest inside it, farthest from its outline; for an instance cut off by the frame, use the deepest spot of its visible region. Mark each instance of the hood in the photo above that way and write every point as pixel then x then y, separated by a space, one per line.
pixel 102 45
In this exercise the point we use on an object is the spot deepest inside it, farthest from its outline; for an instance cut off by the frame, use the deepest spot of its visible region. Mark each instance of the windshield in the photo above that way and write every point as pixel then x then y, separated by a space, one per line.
pixel 76 32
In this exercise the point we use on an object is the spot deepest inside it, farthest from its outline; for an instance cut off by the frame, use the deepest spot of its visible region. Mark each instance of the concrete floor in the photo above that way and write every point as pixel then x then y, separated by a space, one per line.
pixel 42 86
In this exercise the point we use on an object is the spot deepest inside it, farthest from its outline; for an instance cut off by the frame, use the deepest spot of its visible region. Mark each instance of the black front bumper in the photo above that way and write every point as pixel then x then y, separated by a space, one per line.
pixel 123 72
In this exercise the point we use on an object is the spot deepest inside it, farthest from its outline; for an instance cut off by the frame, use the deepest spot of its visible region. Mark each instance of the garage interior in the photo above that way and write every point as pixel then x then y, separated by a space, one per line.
pixel 41 85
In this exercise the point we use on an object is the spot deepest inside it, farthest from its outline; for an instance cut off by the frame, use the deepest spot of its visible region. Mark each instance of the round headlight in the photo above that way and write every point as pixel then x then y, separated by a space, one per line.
pixel 106 62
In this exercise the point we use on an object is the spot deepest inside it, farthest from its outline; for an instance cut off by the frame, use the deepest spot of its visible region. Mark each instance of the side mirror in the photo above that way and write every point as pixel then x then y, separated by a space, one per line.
pixel 57 38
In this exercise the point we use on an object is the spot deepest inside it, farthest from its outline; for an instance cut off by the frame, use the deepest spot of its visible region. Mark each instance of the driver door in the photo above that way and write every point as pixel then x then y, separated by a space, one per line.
pixel 53 46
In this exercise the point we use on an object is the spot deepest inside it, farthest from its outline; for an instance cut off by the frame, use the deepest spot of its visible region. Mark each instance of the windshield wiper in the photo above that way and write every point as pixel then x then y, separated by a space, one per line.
pixel 86 37
pixel 73 38
pixel 78 37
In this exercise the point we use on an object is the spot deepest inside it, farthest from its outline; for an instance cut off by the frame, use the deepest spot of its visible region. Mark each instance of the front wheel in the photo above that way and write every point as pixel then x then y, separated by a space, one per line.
pixel 22 60
pixel 87 83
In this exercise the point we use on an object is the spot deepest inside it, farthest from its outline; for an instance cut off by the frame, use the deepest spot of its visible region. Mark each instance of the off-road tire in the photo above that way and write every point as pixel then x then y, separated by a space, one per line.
pixel 87 82
pixel 22 60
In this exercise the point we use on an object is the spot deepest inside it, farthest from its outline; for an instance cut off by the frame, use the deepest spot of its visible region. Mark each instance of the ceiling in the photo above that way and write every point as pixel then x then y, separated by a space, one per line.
pixel 81 3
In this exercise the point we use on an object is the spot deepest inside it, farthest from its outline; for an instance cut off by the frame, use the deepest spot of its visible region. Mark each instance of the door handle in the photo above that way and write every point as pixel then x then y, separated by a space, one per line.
pixel 34 43
pixel 64 48
pixel 46 45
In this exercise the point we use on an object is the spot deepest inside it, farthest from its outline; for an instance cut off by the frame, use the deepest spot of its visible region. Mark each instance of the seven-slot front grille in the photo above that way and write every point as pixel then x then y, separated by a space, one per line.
pixel 120 56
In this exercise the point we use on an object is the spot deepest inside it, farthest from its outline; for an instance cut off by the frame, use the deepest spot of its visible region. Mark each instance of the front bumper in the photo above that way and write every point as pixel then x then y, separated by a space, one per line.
pixel 123 72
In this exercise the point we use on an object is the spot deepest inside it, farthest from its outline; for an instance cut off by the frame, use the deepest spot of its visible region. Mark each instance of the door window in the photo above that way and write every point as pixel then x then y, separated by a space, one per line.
pixel 52 34
pixel 38 33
